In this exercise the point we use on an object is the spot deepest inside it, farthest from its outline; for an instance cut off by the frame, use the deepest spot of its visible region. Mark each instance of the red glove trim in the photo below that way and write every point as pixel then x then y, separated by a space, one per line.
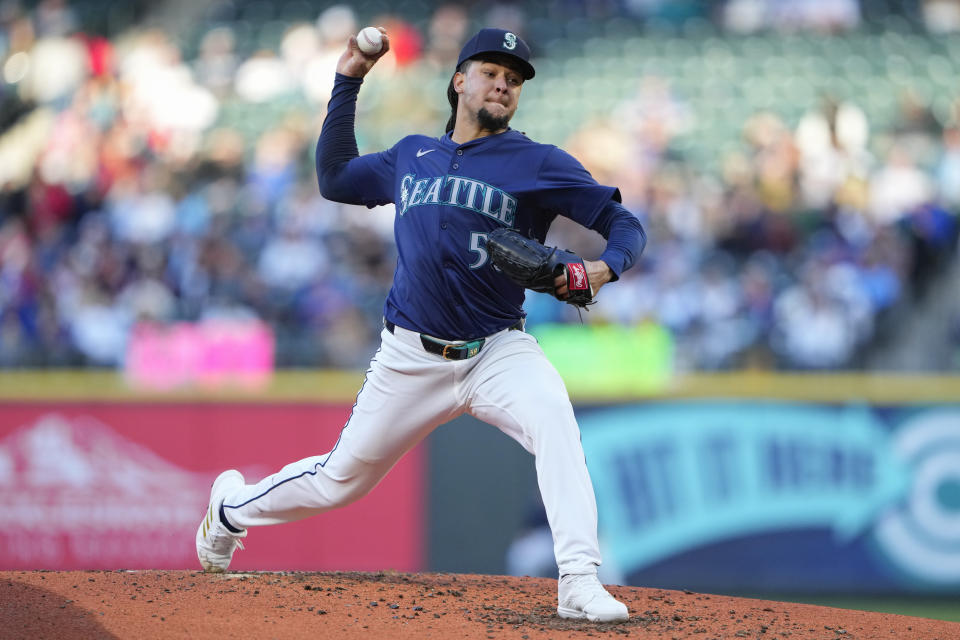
pixel 577 277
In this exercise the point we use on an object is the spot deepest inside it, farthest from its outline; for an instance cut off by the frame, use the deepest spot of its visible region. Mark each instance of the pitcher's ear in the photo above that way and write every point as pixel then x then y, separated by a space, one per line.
pixel 458 80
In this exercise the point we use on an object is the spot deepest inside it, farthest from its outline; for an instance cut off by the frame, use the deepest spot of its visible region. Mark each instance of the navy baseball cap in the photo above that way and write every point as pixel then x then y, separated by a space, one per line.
pixel 498 41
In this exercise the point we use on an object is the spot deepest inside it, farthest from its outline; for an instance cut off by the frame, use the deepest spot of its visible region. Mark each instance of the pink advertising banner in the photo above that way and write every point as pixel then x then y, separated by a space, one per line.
pixel 209 354
pixel 124 486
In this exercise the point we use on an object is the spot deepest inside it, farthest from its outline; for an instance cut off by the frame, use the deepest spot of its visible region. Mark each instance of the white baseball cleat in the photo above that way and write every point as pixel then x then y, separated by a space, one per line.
pixel 582 596
pixel 216 543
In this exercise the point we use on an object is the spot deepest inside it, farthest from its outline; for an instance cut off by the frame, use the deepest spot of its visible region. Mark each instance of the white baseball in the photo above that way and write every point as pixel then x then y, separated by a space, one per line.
pixel 370 41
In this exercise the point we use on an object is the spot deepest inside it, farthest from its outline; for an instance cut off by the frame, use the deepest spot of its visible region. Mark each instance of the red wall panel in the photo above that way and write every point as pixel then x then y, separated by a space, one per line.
pixel 124 485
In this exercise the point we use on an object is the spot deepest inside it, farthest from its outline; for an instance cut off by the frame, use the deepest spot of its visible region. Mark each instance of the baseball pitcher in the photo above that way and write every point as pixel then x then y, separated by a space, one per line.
pixel 472 210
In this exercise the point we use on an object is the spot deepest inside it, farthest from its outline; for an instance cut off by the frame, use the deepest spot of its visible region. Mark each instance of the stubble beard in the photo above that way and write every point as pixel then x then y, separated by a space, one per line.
pixel 491 122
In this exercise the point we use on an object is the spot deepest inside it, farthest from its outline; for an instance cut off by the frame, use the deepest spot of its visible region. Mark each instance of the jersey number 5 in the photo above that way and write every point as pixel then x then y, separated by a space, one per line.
pixel 478 245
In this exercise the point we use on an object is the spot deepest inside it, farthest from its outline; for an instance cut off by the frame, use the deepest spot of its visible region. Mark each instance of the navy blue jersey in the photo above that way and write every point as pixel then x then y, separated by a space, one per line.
pixel 448 196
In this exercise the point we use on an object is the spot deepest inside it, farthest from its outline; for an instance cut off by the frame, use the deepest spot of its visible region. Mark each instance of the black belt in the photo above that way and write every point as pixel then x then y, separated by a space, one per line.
pixel 449 351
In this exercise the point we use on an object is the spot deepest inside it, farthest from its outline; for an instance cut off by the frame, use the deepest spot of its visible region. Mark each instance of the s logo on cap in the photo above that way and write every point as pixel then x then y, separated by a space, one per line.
pixel 509 41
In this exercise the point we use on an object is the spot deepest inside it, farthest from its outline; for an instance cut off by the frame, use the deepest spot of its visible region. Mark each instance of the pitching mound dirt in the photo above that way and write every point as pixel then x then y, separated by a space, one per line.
pixel 184 604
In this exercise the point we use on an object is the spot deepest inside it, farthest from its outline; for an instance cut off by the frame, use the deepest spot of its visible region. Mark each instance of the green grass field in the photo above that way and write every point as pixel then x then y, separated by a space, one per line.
pixel 937 608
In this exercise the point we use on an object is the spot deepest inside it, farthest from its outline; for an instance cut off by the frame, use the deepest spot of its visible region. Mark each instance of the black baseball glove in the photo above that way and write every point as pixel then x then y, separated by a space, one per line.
pixel 534 266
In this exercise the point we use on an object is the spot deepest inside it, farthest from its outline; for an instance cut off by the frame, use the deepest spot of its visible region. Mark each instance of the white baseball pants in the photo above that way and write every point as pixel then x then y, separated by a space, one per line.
pixel 408 392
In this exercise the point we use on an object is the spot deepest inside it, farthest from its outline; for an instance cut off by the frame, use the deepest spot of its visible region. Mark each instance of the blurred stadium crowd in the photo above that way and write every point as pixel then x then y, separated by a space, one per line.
pixel 796 165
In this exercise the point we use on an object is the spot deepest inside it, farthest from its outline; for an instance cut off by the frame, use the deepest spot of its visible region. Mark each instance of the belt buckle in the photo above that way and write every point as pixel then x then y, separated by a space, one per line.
pixel 444 353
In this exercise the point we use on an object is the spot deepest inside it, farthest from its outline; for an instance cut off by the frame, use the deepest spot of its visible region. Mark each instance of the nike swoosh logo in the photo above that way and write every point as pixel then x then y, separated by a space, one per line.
pixel 421 152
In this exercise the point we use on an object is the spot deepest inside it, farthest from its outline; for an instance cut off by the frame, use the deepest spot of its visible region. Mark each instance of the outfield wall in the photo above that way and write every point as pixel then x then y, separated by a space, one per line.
pixel 746 482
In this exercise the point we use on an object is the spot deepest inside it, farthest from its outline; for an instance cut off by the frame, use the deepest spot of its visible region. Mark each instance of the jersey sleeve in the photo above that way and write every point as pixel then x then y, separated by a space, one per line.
pixel 625 236
pixel 342 174
pixel 372 177
pixel 564 186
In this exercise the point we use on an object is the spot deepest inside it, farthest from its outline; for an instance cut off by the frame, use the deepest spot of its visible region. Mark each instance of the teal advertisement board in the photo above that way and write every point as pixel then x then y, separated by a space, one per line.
pixel 798 496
